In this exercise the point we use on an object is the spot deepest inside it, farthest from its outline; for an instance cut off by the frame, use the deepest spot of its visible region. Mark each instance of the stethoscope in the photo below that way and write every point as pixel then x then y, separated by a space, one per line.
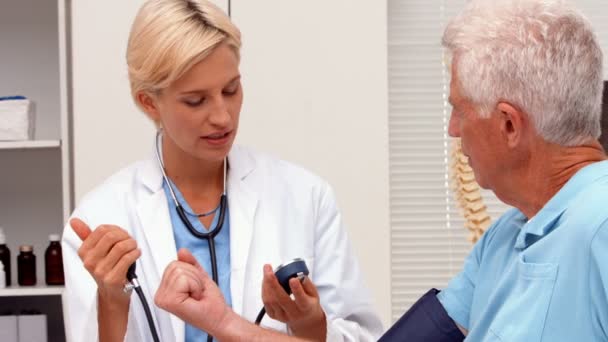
pixel 209 236
pixel 295 268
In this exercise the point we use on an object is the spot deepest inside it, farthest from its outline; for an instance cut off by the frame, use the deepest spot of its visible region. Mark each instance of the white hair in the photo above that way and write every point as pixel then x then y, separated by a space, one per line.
pixel 539 55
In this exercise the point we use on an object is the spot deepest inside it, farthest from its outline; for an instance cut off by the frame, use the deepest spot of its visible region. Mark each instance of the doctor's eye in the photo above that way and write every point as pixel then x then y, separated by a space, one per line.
pixel 194 102
pixel 231 91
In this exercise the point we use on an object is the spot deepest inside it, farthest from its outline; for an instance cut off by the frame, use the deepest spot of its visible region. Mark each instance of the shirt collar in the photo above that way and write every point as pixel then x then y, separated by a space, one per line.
pixel 544 221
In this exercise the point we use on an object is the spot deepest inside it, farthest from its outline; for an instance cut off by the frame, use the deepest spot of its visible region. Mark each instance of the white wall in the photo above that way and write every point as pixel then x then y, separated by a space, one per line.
pixel 315 82
pixel 315 79
pixel 109 131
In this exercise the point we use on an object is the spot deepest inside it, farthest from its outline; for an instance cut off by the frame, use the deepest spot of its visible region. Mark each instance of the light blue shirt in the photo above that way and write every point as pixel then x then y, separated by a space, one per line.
pixel 543 279
pixel 200 249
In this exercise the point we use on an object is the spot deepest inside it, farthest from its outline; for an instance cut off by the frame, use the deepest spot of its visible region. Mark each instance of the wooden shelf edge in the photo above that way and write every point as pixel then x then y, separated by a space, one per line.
pixel 29 144
pixel 26 291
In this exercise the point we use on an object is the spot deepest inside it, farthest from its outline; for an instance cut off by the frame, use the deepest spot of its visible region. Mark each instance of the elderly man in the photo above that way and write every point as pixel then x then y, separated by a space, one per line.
pixel 526 92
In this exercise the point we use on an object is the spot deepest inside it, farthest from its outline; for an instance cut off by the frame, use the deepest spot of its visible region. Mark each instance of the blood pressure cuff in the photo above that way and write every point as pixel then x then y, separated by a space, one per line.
pixel 425 321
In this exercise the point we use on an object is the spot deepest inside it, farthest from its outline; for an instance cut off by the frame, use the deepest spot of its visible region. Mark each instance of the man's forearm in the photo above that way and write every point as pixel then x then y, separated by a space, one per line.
pixel 237 329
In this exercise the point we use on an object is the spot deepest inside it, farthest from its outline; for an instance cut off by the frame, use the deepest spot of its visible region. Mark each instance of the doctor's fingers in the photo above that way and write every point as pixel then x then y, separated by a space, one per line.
pixel 110 242
pixel 101 240
pixel 305 293
pixel 274 296
pixel 109 262
pixel 118 275
pixel 81 229
pixel 276 313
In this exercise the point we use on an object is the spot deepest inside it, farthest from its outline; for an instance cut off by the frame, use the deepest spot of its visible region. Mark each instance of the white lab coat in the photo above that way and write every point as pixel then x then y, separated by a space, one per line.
pixel 278 212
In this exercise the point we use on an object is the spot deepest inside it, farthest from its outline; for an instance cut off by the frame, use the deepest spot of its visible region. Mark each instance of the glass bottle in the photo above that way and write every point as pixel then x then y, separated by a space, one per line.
pixel 2 276
pixel 53 262
pixel 26 266
pixel 5 258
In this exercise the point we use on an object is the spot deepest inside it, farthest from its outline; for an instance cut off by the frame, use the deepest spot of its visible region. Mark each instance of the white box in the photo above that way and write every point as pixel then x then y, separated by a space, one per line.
pixel 8 329
pixel 32 328
pixel 17 119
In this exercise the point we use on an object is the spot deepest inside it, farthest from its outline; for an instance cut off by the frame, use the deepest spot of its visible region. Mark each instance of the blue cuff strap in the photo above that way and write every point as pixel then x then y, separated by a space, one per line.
pixel 425 321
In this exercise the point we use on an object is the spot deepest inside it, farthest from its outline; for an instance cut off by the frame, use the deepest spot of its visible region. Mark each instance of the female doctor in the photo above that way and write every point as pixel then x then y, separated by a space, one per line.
pixel 236 210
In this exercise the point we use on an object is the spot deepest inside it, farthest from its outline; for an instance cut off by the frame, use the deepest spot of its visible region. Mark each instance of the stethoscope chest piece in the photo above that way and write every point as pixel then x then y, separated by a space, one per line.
pixel 294 269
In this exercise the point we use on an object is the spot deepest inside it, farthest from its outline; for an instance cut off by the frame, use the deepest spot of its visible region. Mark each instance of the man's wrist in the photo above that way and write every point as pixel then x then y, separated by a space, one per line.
pixel 315 328
pixel 226 326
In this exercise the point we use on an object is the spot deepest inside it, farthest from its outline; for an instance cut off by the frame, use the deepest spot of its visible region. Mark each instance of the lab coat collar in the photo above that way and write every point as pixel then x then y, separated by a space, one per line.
pixel 153 214
pixel 545 220
pixel 243 197
pixel 241 164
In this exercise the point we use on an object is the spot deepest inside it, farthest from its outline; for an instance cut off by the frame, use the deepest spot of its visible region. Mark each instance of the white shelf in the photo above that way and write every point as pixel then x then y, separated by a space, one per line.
pixel 23 291
pixel 29 144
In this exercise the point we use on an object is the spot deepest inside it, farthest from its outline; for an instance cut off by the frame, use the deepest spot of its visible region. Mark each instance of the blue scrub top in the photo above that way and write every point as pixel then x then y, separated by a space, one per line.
pixel 543 279
pixel 200 249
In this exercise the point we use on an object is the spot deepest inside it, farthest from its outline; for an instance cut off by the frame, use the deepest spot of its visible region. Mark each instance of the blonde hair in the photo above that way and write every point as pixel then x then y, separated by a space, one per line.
pixel 168 37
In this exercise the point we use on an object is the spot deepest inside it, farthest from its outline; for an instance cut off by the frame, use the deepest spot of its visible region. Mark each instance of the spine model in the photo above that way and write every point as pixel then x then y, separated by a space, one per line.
pixel 468 194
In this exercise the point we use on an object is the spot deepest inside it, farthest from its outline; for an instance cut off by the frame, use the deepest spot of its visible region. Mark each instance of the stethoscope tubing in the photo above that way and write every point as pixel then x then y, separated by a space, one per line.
pixel 184 218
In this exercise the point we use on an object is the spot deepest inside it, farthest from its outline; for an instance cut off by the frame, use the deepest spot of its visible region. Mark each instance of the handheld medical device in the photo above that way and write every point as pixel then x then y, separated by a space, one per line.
pixel 295 269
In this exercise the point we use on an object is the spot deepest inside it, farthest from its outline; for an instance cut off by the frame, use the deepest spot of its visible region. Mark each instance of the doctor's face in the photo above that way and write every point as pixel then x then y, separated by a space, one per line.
pixel 200 111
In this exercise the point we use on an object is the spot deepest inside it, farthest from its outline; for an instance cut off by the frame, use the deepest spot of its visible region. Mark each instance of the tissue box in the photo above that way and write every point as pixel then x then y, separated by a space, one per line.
pixel 8 329
pixel 16 118
pixel 32 328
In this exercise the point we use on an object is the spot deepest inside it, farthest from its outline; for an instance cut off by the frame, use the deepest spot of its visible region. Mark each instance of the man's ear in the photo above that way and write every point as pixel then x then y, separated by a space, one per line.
pixel 513 123
pixel 149 105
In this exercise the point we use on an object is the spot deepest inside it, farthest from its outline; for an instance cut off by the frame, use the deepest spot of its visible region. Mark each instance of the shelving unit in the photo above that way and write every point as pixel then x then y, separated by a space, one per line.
pixel 30 144
pixel 35 176
pixel 29 291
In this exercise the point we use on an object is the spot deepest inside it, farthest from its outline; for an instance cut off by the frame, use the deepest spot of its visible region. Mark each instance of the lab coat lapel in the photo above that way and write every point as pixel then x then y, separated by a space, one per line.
pixel 153 214
pixel 243 202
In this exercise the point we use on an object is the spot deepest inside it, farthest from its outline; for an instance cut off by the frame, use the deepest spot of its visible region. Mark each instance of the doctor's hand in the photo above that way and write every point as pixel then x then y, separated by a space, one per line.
pixel 107 252
pixel 187 292
pixel 303 314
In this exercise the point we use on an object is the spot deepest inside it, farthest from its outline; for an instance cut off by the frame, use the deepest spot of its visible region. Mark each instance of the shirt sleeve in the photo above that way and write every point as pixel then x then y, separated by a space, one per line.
pixel 598 280
pixel 458 296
